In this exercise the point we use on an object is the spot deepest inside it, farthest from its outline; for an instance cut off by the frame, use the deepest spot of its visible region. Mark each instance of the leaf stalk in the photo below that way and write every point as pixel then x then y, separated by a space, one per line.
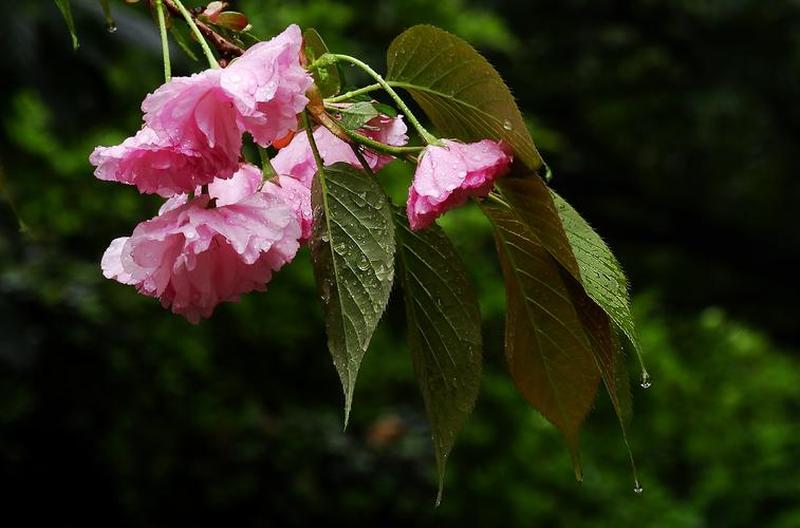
pixel 162 28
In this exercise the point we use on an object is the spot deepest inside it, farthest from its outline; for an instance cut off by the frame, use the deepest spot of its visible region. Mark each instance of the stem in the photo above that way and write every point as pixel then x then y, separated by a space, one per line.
pixel 212 60
pixel 382 148
pixel 312 142
pixel 426 136
pixel 224 47
pixel 362 160
pixel 267 170
pixel 493 196
pixel 319 114
pixel 162 27
pixel 353 93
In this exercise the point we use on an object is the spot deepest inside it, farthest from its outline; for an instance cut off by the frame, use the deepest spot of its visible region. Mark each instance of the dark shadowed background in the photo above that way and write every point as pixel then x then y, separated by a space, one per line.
pixel 671 125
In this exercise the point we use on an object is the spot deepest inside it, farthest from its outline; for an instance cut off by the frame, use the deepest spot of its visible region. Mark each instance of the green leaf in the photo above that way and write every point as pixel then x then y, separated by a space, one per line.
pixel 352 248
pixel 599 272
pixel 357 115
pixel 549 355
pixel 382 108
pixel 458 89
pixel 444 331
pixel 66 12
pixel 385 109
pixel 326 77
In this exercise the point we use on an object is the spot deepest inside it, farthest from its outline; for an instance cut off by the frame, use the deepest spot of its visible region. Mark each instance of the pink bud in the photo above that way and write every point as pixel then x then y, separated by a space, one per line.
pixel 213 9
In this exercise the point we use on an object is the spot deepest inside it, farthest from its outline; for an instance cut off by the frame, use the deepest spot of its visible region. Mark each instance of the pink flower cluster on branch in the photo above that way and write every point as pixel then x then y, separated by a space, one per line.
pixel 223 230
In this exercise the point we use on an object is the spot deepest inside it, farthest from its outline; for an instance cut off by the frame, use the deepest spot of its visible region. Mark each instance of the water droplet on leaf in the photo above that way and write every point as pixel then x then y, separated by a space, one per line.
pixel 326 291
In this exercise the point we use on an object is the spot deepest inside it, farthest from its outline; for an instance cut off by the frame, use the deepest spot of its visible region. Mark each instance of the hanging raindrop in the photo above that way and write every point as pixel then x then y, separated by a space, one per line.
pixel 638 489
pixel 646 380
pixel 111 26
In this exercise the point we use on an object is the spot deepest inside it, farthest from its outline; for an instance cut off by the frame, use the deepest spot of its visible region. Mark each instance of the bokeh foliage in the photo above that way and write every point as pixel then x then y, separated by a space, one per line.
pixel 670 131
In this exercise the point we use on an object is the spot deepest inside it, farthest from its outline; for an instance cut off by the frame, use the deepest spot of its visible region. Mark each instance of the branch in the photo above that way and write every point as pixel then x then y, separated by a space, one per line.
pixel 316 108
pixel 225 47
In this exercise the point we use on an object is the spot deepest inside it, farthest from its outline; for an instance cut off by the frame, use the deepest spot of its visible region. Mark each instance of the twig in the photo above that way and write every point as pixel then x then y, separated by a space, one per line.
pixel 225 47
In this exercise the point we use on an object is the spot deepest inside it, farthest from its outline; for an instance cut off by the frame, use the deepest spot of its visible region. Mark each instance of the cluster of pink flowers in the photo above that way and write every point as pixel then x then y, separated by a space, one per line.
pixel 193 126
pixel 223 230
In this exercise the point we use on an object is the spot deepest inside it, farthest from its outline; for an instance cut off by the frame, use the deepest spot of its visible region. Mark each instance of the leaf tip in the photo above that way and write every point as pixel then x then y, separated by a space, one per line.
pixel 576 465
pixel 348 402
pixel 441 460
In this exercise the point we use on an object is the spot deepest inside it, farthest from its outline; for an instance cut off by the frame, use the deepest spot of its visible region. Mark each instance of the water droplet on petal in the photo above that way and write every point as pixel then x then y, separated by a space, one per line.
pixel 326 291
pixel 507 124
pixel 646 380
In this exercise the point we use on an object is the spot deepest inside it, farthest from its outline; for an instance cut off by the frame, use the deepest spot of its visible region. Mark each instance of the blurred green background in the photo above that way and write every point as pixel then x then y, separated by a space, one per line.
pixel 670 124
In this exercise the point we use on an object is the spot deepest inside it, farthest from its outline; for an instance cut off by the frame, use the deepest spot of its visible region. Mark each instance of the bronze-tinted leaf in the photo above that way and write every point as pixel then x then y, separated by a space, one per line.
pixel 531 200
pixel 596 284
pixel 458 89
pixel 548 353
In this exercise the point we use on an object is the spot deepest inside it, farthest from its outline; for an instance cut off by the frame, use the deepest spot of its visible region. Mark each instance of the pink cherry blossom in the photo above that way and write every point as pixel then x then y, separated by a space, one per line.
pixel 195 111
pixel 267 84
pixel 297 159
pixel 159 164
pixel 248 179
pixel 243 183
pixel 449 174
pixel 193 256
pixel 297 195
